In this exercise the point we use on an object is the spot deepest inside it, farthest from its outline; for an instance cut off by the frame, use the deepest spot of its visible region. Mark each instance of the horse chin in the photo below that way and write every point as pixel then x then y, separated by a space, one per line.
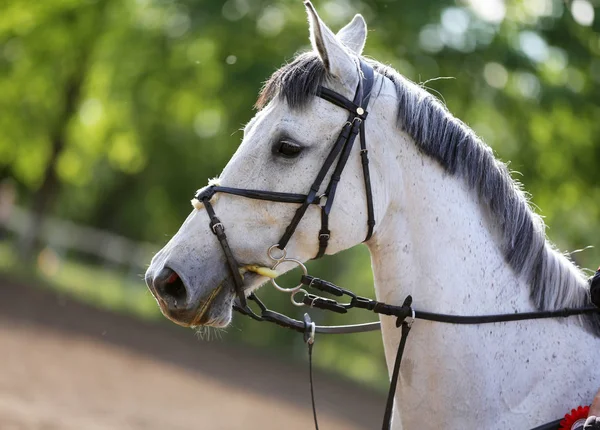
pixel 219 310
pixel 215 310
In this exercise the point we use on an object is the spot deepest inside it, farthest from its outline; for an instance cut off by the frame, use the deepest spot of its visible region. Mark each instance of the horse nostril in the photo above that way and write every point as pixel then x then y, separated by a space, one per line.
pixel 170 288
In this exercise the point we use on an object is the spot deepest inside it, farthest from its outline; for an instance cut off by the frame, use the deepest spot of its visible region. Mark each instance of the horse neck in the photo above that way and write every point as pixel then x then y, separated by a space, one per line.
pixel 436 242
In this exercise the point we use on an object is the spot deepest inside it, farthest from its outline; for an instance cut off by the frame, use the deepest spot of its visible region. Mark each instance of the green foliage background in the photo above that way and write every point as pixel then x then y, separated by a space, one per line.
pixel 114 112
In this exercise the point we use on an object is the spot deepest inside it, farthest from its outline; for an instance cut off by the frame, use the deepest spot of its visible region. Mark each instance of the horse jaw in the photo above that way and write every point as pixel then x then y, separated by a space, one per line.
pixel 253 227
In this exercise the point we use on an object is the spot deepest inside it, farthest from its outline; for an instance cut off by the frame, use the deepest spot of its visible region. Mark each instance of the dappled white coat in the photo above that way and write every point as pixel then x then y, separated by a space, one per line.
pixel 433 240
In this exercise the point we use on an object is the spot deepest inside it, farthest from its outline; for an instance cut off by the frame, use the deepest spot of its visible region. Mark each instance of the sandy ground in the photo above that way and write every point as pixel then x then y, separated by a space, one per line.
pixel 65 366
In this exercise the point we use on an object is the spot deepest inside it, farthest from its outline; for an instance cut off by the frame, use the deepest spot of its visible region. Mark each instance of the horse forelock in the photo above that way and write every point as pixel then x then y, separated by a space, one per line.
pixel 555 281
pixel 297 81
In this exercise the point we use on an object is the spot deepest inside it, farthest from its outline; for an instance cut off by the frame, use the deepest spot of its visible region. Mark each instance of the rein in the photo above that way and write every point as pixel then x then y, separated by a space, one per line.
pixel 405 314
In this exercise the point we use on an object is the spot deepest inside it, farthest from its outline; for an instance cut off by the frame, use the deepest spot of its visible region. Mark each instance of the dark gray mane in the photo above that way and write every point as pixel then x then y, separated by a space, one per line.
pixel 555 282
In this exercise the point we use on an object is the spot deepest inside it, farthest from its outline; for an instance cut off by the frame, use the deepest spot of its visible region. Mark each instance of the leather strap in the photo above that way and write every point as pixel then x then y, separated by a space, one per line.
pixel 271 196
pixel 341 101
pixel 309 339
pixel 389 404
pixel 312 390
pixel 217 228
pixel 402 313
pixel 314 189
pixel 364 155
pixel 324 233
pixel 358 115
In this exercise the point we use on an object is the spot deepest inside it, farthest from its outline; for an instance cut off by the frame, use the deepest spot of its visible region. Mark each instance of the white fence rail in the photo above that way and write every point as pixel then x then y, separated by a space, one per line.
pixel 63 235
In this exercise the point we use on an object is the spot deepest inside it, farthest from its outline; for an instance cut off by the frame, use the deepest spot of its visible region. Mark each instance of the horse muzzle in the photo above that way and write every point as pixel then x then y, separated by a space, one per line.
pixel 176 300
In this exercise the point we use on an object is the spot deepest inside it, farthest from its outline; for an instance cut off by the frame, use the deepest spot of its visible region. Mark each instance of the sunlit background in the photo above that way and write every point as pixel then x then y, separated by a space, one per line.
pixel 114 112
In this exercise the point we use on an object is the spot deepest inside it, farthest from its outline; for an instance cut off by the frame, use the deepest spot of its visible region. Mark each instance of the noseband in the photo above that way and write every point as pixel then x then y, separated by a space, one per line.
pixel 354 126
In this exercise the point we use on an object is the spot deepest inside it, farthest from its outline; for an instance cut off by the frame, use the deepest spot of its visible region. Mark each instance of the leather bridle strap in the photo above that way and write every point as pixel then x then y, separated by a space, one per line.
pixel 364 157
pixel 324 233
pixel 316 185
pixel 352 128
pixel 405 315
pixel 358 116
pixel 271 196
pixel 217 228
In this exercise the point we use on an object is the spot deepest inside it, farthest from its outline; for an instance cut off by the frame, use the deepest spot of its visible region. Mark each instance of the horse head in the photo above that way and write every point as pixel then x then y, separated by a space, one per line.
pixel 283 149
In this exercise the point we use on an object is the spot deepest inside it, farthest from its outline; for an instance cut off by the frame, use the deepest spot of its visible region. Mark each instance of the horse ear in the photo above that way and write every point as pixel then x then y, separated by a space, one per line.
pixel 354 35
pixel 335 57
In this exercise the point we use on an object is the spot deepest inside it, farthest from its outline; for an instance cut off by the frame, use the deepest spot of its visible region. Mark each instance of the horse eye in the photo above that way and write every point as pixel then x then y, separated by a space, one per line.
pixel 289 149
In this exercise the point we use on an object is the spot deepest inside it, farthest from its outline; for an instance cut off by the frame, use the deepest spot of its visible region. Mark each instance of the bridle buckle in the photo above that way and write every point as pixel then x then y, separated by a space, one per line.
pixel 323 200
pixel 218 224
pixel 309 330
pixel 324 236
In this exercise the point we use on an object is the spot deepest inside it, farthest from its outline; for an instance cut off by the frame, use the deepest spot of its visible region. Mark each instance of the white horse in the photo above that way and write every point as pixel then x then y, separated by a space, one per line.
pixel 453 230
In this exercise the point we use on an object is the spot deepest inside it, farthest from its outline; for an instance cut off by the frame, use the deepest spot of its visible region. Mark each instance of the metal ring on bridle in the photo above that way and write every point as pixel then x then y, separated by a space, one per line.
pixel 300 290
pixel 296 288
pixel 270 253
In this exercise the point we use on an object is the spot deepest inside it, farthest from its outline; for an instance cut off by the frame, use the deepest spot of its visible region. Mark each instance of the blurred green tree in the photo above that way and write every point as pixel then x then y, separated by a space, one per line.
pixel 112 108
pixel 114 112
pixel 42 95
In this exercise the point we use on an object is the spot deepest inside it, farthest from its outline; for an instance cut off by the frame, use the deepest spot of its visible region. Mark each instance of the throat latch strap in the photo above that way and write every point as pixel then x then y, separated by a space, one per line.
pixel 357 119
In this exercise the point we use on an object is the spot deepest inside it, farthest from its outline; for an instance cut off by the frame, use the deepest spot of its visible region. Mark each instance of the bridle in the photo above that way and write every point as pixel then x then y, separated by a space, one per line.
pixel 405 314
pixel 354 126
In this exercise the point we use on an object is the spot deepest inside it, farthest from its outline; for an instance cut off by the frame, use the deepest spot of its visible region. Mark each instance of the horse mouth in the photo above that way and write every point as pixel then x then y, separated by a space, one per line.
pixel 215 309
pixel 175 298
pixel 199 315
pixel 173 293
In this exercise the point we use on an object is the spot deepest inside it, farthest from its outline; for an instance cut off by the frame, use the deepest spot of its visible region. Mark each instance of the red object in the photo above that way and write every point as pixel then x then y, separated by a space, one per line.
pixel 570 420
pixel 172 278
